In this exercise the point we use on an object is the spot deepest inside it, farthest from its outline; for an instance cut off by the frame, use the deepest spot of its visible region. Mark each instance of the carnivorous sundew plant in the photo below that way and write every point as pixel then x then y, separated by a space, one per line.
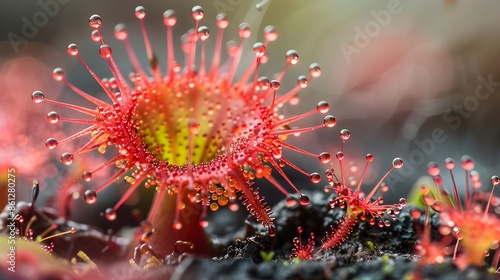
pixel 471 222
pixel 195 129
pixel 358 205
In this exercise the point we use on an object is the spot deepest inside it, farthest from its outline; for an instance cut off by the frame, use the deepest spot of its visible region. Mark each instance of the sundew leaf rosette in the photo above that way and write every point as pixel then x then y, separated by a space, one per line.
pixel 194 129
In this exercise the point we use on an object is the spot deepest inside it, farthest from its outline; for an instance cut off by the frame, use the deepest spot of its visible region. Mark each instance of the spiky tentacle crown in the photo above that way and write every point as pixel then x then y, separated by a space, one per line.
pixel 191 129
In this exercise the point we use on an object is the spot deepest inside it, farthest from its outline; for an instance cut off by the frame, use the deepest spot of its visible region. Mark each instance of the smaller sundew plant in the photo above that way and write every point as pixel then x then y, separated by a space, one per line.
pixel 302 251
pixel 471 222
pixel 357 205
pixel 430 251
pixel 195 129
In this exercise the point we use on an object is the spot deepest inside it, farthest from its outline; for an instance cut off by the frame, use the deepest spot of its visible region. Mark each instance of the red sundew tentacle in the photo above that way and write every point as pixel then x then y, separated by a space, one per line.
pixel 260 51
pixel 121 34
pixel 302 82
pixel 282 173
pixel 252 69
pixel 295 118
pixel 202 70
pixel 276 184
pixel 81 133
pixel 298 130
pixel 111 180
pixel 244 32
pixel 282 73
pixel 370 195
pixel 197 14
pixel 169 20
pixel 140 14
pixel 85 95
pixel 495 180
pixel 289 163
pixel 287 96
pixel 106 164
pixel 83 121
pixel 455 192
pixel 297 149
pixel 358 188
pixel 129 192
pixel 121 83
pixel 222 23
pixel 340 158
pixel 156 203
pixel 75 108
pixel 339 234
pixel 100 37
pixel 90 145
pixel 110 94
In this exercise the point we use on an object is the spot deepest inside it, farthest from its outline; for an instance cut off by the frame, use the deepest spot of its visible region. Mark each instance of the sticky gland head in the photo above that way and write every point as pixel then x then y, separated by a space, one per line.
pixel 199 130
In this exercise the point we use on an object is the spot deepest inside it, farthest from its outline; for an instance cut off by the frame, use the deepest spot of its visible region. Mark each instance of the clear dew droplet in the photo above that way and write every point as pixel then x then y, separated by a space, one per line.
pixel 67 158
pixel 169 18
pixel 345 134
pixel 95 21
pixel 339 155
pixel 105 51
pixel 329 121
pixel 53 117
pixel 315 177
pixel 275 85
pixel 95 36
pixel 222 20
pixel 397 162
pixel 87 176
pixel 315 70
pixel 110 214
pixel 140 12
pixel 324 157
pixel 90 197
pixel 51 143
pixel 270 33
pixel 304 200
pixel 203 33
pixel 323 107
pixel 58 74
pixel 244 30
pixel 369 157
pixel 495 180
pixel 302 81
pixel 433 168
pixel 121 32
pixel 449 163
pixel 72 49
pixel 37 96
pixel 259 49
pixel 292 57
pixel 197 12
pixel 467 163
